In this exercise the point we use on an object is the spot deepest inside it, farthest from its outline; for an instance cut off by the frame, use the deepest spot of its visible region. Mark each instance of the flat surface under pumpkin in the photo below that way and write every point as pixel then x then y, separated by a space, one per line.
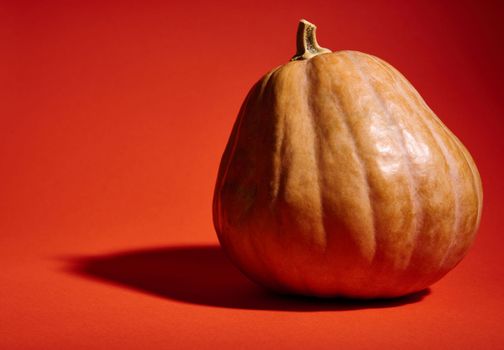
pixel 109 141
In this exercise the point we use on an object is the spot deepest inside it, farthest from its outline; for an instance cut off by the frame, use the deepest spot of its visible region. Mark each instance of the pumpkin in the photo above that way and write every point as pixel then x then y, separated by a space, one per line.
pixel 339 180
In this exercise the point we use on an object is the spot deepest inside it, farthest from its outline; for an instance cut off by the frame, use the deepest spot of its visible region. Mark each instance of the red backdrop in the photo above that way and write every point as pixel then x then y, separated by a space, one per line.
pixel 113 117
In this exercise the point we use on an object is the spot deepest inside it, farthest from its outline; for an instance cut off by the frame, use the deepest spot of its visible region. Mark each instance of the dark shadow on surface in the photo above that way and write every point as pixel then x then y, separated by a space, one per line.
pixel 203 275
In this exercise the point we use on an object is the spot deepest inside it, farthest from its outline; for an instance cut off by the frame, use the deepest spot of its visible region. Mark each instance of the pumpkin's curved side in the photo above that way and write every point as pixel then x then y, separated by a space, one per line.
pixel 464 178
pixel 230 195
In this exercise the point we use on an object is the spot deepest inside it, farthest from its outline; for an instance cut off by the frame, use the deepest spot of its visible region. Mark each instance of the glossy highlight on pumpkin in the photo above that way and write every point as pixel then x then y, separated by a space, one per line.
pixel 339 180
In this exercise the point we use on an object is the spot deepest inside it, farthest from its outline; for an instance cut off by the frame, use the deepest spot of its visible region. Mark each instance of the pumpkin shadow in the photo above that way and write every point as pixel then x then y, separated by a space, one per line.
pixel 203 275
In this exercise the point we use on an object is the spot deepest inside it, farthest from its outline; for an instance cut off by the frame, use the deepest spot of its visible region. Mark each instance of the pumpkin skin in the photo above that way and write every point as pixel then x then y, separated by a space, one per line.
pixel 339 180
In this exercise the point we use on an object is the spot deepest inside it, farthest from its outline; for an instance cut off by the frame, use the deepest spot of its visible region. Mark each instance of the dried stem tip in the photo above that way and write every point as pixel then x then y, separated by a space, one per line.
pixel 307 46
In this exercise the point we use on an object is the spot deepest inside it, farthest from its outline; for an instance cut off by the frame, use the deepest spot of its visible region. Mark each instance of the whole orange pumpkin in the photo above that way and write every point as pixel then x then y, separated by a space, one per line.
pixel 339 180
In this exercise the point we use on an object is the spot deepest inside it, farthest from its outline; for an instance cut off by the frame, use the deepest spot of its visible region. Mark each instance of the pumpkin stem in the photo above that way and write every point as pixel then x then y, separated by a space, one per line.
pixel 307 46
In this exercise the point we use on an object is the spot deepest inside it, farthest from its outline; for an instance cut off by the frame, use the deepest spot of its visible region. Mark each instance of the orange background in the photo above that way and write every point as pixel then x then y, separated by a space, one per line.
pixel 113 118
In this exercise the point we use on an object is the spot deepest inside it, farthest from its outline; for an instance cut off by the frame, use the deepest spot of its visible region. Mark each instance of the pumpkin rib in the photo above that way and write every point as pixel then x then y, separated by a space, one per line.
pixel 465 154
pixel 467 157
pixel 296 222
pixel 268 82
pixel 457 188
pixel 316 149
pixel 414 200
pixel 475 173
pixel 450 161
pixel 461 150
pixel 228 156
pixel 290 86
pixel 278 154
pixel 337 100
pixel 419 214
pixel 256 94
